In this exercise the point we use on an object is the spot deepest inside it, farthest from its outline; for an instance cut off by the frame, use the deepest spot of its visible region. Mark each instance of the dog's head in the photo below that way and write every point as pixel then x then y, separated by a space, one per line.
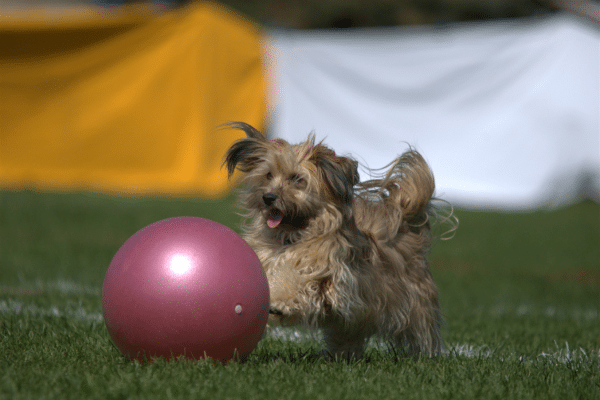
pixel 287 185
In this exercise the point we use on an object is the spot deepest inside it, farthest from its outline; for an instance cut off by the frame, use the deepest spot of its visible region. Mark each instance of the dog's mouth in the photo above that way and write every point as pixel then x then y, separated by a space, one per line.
pixel 274 219
pixel 277 219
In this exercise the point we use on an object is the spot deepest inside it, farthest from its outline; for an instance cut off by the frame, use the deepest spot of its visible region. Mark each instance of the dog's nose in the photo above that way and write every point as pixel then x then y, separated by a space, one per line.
pixel 269 198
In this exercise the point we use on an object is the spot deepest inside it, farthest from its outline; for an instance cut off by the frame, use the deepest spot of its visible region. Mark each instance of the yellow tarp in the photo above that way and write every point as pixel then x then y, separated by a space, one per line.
pixel 125 100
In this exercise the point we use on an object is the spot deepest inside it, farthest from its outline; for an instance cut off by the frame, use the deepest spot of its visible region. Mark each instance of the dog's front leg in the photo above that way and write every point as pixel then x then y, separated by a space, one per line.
pixel 285 287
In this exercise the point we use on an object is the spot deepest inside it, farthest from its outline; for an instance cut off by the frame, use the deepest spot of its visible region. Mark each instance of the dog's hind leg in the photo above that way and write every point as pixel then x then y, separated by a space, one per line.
pixel 419 340
pixel 344 345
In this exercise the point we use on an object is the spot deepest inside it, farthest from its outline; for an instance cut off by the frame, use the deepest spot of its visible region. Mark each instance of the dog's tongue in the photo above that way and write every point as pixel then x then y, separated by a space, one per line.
pixel 274 219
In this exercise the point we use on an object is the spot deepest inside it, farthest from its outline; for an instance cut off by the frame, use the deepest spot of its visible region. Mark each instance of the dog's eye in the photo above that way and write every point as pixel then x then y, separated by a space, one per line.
pixel 269 176
pixel 296 179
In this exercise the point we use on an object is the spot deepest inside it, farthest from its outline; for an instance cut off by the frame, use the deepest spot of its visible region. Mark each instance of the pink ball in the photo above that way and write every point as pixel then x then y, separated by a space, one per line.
pixel 185 286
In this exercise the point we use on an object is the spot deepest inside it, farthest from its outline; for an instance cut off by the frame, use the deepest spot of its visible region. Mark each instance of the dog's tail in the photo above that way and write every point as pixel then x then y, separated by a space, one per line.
pixel 404 190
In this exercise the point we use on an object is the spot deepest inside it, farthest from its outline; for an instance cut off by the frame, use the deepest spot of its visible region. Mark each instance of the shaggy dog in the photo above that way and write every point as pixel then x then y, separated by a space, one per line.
pixel 343 256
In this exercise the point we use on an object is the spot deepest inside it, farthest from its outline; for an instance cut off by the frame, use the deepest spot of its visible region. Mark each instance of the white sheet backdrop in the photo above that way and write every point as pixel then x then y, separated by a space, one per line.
pixel 507 113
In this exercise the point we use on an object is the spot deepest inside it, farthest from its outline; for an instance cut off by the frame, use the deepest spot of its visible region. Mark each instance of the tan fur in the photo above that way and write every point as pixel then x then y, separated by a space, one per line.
pixel 348 257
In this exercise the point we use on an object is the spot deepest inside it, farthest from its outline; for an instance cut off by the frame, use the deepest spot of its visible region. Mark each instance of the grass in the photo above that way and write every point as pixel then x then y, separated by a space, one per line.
pixel 520 292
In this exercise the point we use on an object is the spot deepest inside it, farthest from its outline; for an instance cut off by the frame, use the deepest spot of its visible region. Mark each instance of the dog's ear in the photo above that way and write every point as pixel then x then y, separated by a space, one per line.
pixel 339 173
pixel 245 153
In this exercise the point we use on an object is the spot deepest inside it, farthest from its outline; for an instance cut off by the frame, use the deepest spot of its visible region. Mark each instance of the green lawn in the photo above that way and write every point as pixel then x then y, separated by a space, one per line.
pixel 520 292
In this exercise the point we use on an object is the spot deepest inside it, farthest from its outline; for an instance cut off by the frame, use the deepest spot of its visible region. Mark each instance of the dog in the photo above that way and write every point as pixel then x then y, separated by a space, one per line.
pixel 344 256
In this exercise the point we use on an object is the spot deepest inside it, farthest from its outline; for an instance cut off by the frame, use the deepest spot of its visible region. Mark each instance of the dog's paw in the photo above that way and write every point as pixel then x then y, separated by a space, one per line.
pixel 276 314
pixel 285 314
pixel 279 308
pixel 275 311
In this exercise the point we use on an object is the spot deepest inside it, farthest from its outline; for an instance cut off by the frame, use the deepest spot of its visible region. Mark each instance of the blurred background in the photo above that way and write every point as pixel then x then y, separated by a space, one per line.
pixel 109 121
pixel 359 13
pixel 126 97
